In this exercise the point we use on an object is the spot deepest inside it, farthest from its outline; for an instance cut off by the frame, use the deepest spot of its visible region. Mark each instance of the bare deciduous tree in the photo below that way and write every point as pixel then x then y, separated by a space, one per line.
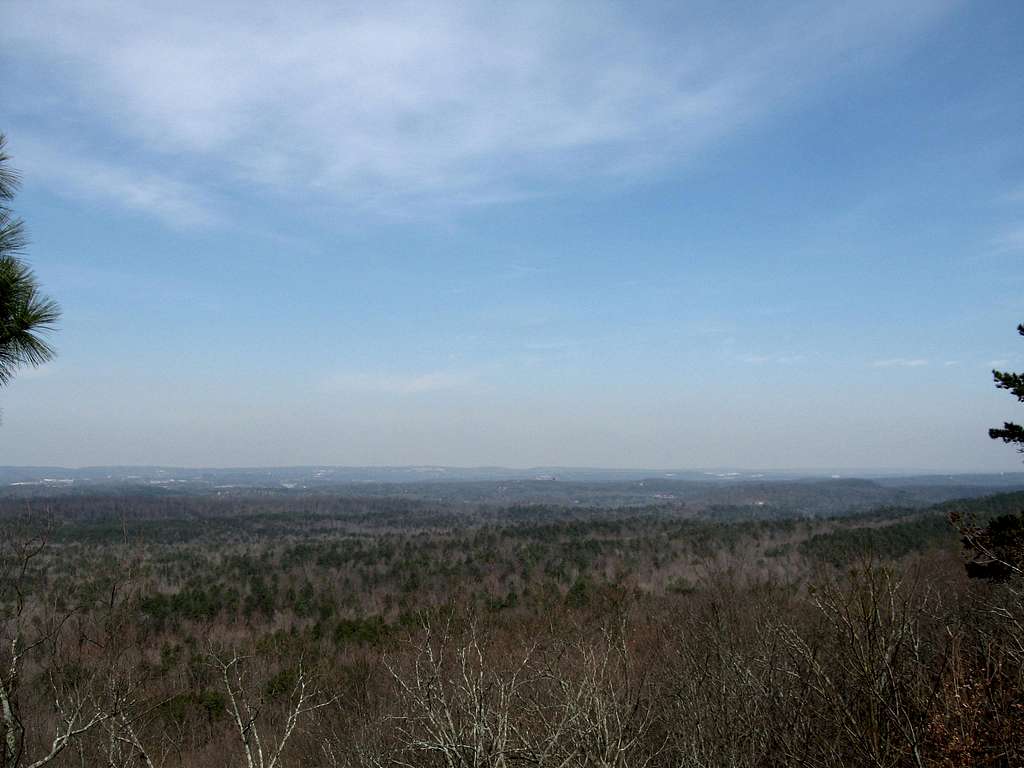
pixel 31 642
pixel 460 711
pixel 247 701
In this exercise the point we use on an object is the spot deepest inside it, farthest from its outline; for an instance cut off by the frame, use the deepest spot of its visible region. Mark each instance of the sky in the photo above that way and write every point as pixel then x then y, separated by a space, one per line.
pixel 648 234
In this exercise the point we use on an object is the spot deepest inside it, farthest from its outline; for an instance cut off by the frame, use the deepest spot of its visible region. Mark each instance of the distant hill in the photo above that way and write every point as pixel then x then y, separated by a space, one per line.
pixel 720 493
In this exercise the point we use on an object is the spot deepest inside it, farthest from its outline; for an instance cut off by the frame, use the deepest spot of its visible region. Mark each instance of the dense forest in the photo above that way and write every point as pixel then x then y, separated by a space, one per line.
pixel 270 630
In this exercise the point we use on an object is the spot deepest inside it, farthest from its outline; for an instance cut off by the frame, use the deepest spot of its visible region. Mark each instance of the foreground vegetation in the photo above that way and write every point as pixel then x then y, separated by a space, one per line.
pixel 345 632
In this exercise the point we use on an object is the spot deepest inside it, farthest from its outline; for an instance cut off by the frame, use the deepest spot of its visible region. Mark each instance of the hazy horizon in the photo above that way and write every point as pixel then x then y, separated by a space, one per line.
pixel 529 235
pixel 719 471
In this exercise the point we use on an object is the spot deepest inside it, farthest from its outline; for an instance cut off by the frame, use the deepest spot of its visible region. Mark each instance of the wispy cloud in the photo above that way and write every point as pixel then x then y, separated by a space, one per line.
pixel 400 105
pixel 399 384
pixel 900 362
pixel 1015 195
pixel 38 372
pixel 754 359
pixel 1011 240
pixel 174 202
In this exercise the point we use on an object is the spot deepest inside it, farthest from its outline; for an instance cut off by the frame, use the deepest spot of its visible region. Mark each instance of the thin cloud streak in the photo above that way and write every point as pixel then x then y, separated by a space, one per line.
pixel 900 362
pixel 399 384
pixel 755 359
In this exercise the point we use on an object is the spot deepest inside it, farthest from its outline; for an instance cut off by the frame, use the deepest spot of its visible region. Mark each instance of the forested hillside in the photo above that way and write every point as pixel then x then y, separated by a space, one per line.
pixel 358 632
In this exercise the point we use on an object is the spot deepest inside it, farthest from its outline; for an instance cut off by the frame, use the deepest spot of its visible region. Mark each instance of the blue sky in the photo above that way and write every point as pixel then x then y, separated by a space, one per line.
pixel 765 235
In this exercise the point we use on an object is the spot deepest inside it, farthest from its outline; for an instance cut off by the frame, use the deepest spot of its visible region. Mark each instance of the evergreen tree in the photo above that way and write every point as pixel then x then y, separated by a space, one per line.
pixel 997 548
pixel 25 314
pixel 1010 432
